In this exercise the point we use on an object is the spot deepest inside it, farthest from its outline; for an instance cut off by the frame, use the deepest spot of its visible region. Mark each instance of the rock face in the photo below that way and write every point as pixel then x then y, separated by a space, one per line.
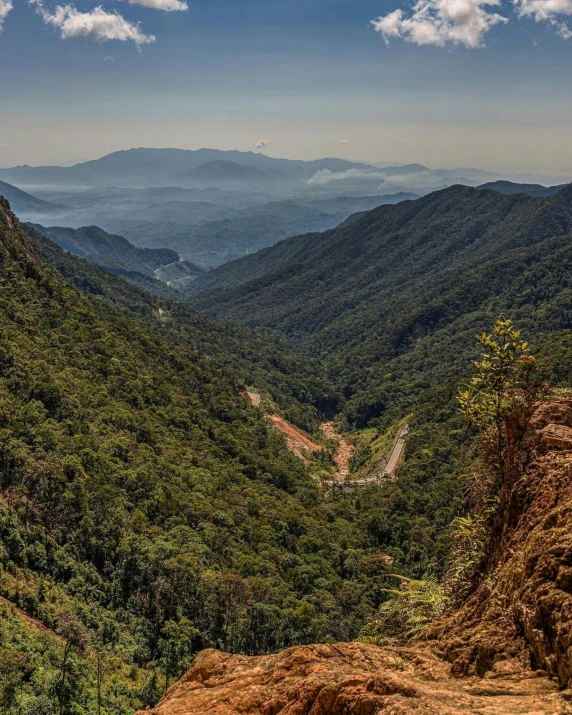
pixel 349 678
pixel 506 650
pixel 522 611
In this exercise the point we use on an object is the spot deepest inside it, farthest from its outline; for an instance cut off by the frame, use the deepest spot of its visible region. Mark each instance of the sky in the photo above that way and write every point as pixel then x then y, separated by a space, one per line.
pixel 445 83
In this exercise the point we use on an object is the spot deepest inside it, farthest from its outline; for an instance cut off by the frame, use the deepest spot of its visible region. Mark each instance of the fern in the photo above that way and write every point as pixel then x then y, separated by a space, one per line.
pixel 407 611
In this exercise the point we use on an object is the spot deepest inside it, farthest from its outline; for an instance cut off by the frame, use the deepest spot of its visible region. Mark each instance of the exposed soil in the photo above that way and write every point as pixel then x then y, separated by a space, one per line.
pixel 254 398
pixel 28 620
pixel 344 450
pixel 297 440
pixel 350 679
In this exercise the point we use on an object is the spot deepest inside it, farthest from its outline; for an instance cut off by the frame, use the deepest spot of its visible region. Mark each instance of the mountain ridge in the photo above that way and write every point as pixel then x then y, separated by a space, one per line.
pixel 142 165
pixel 392 282
pixel 26 203
pixel 108 250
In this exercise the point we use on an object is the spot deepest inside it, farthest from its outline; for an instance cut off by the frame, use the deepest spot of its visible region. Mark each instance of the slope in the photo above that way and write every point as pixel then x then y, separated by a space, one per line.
pixel 399 293
pixel 503 651
pixel 426 496
pixel 136 479
pixel 105 249
pixel 258 227
pixel 297 386
pixel 26 203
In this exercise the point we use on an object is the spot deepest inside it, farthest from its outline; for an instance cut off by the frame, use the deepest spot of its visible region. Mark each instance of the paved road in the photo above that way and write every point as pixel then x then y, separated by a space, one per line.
pixel 389 470
pixel 398 448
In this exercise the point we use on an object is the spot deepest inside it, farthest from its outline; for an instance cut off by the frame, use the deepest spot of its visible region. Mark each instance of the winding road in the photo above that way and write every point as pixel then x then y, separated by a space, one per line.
pixel 298 442
pixel 388 471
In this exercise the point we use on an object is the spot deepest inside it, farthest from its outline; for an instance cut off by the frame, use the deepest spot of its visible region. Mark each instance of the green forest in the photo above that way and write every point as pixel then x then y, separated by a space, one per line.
pixel 149 511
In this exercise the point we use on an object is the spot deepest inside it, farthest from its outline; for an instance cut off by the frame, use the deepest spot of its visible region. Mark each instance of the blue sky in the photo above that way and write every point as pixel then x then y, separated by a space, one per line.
pixel 306 75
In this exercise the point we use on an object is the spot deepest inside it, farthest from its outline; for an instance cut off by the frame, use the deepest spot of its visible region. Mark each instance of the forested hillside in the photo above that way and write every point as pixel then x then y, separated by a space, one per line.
pixel 391 302
pixel 509 187
pixel 105 249
pixel 146 510
pixel 297 385
pixel 427 496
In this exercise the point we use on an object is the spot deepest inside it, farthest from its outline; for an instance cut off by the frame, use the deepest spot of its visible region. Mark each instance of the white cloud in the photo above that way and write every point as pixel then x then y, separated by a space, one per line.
pixel 166 5
pixel 547 11
pixel 563 30
pixel 343 141
pixel 419 180
pixel 97 24
pixel 3 146
pixel 543 9
pixel 440 22
pixel 326 176
pixel 263 144
pixel 5 7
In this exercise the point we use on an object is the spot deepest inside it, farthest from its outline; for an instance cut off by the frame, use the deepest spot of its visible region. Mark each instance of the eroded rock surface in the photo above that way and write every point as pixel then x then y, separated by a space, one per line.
pixel 522 611
pixel 350 678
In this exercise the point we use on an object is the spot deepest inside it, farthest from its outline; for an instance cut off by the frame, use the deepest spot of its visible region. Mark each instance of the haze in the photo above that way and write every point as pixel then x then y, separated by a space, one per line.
pixel 308 78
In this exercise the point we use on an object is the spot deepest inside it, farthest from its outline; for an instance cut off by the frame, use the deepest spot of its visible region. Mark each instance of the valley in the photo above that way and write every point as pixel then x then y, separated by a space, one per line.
pixel 285 357
pixel 277 437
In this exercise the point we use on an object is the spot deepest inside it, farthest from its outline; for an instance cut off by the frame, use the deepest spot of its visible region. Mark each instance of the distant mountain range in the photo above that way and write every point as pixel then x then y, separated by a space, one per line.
pixel 509 187
pixel 212 206
pixel 156 167
pixel 148 167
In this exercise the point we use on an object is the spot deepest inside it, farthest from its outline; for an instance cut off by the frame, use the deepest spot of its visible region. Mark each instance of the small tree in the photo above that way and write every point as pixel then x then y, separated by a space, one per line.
pixel 505 367
pixel 12 666
pixel 75 637
pixel 175 647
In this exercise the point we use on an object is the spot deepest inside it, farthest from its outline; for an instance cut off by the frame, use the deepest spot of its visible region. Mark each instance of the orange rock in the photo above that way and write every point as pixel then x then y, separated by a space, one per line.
pixel 348 678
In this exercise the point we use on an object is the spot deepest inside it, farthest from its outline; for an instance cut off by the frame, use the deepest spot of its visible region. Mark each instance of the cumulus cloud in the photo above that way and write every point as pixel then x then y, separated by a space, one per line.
pixel 343 141
pixel 442 22
pixel 547 11
pixel 166 5
pixel 543 9
pixel 263 144
pixel 97 24
pixel 5 7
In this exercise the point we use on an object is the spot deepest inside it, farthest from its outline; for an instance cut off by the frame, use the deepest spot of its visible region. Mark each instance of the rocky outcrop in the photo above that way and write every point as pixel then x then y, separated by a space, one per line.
pixel 522 611
pixel 350 678
pixel 507 649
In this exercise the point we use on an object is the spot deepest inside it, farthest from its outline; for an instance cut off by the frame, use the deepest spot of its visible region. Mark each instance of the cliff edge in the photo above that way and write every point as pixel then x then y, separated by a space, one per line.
pixel 507 649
